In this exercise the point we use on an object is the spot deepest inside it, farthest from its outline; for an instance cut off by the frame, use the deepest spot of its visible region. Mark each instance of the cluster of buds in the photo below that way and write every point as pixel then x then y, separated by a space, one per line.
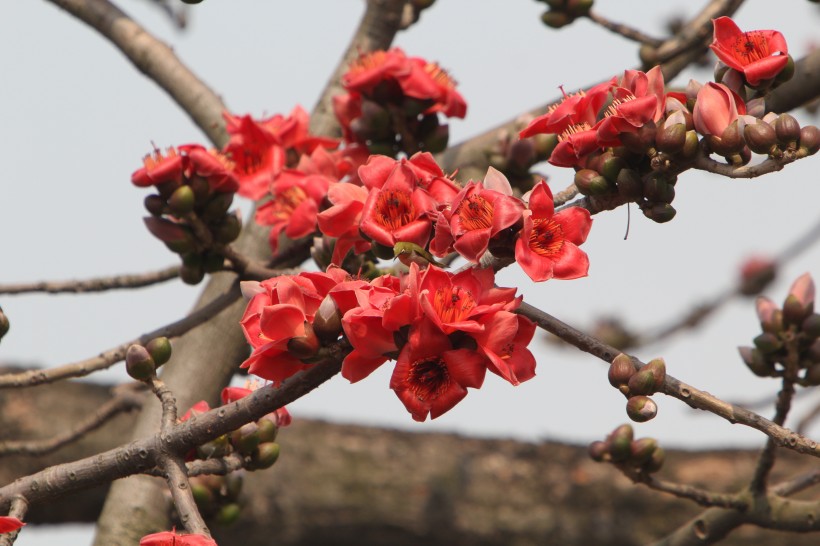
pixel 393 103
pixel 564 12
pixel 620 448
pixel 189 212
pixel 217 497
pixel 637 385
pixel 142 361
pixel 254 441
pixel 789 345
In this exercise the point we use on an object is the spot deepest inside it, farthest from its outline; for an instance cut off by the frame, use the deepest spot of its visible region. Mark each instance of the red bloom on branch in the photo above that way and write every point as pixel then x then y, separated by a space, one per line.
pixel 428 81
pixel 504 341
pixel 373 68
pixel 9 524
pixel 342 218
pixel 211 165
pixel 431 376
pixel 478 213
pixel 716 108
pixel 170 538
pixel 548 244
pixel 759 54
pixel 159 168
pixel 399 211
pixel 280 417
pixel 637 100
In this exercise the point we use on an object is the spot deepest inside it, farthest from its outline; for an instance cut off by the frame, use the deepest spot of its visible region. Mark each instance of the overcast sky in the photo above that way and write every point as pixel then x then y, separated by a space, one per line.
pixel 77 119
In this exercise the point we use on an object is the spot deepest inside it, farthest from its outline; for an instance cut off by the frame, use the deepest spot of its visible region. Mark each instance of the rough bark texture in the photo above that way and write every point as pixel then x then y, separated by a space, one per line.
pixel 339 484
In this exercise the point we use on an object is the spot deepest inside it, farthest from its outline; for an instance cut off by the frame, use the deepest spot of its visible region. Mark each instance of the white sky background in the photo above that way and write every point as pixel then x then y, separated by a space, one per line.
pixel 77 119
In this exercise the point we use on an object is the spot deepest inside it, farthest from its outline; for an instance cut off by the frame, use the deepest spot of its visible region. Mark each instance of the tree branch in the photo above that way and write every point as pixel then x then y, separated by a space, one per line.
pixel 156 60
pixel 99 284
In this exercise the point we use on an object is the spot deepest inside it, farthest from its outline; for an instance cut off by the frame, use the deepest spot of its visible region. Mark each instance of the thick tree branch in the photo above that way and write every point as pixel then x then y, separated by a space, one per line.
pixel 156 60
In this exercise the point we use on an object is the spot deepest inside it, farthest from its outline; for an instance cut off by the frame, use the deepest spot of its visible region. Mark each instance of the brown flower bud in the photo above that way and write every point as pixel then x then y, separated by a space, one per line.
pixel 658 368
pixel 809 139
pixel 660 212
pixel 641 409
pixel 656 461
pixel 671 138
pixel 598 451
pixel 760 137
pixel 138 363
pixel 265 455
pixel 643 382
pixel 589 182
pixel 154 204
pixel 327 322
pixel 756 362
pixel 620 372
pixel 642 450
pixel 620 443
pixel 787 129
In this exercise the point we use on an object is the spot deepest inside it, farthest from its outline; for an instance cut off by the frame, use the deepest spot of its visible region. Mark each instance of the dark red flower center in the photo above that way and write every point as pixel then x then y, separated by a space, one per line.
pixel 453 303
pixel 475 212
pixel 394 209
pixel 751 46
pixel 428 378
pixel 546 237
pixel 250 160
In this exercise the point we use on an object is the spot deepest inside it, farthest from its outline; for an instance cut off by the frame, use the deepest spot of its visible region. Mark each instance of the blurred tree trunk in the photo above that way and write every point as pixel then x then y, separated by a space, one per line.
pixel 342 484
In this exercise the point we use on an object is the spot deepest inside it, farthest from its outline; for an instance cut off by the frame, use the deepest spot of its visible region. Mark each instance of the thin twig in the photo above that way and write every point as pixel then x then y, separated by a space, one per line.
pixel 116 354
pixel 221 466
pixel 99 284
pixel 126 399
pixel 626 31
pixel 700 496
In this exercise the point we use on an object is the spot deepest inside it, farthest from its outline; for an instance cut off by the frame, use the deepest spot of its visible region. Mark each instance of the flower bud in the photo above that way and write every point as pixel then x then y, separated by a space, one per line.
pixel 191 274
pixel 657 190
pixel 656 461
pixel 201 188
pixel 218 447
pixel 756 274
pixel 228 229
pixel 812 375
pixel 803 292
pixel 811 326
pixel 611 167
pixel 589 182
pixel 660 212
pixel 768 343
pixel 212 262
pixel 245 439
pixel 228 514
pixel 327 322
pixel 265 455
pixel 579 8
pixel 620 371
pixel 760 137
pixel 787 130
pixel 691 145
pixel 768 315
pixel 233 486
pixel 809 139
pixel 787 72
pixel 203 496
pixel 630 186
pixel 642 450
pixel 641 408
pixel 4 324
pixel 671 138
pixel 658 368
pixel 377 119
pixel 756 362
pixel 267 430
pixel 598 451
pixel 154 204
pixel 175 236
pixel 182 200
pixel 545 144
pixel 620 443
pixel 305 346
pixel 556 19
pixel 436 141
pixel 160 350
pixel 138 363
pixel 217 206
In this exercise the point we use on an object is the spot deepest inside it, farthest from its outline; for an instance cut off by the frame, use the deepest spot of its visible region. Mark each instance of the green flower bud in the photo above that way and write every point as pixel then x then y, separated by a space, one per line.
pixel 611 167
pixel 159 349
pixel 660 212
pixel 4 324
pixel 579 8
pixel 787 73
pixel 589 182
pixel 228 229
pixel 218 447
pixel 233 486
pixel 657 190
pixel 658 368
pixel 201 188
pixel 691 145
pixel 620 443
pixel 630 186
pixel 228 514
pixel 436 141
pixel 267 430
pixel 245 438
pixel 265 455
pixel 217 206
pixel 182 200
pixel 556 19
pixel 643 382
pixel 191 274
pixel 139 364
pixel 641 409
pixel 203 496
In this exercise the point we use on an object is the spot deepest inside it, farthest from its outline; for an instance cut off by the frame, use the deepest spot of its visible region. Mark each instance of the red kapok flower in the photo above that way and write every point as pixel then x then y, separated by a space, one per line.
pixel 504 341
pixel 158 168
pixel 280 417
pixel 478 213
pixel 431 376
pixel 716 107
pixel 211 165
pixel 428 81
pixel 370 69
pixel 399 211
pixel 548 244
pixel 758 54
pixel 636 100
pixel 170 538
pixel 256 154
pixel 295 205
pixel 9 524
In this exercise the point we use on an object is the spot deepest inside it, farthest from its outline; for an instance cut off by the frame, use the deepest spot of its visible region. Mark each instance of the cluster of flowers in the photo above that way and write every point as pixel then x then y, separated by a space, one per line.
pixel 393 101
pixel 789 345
pixel 628 136
pixel 444 330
